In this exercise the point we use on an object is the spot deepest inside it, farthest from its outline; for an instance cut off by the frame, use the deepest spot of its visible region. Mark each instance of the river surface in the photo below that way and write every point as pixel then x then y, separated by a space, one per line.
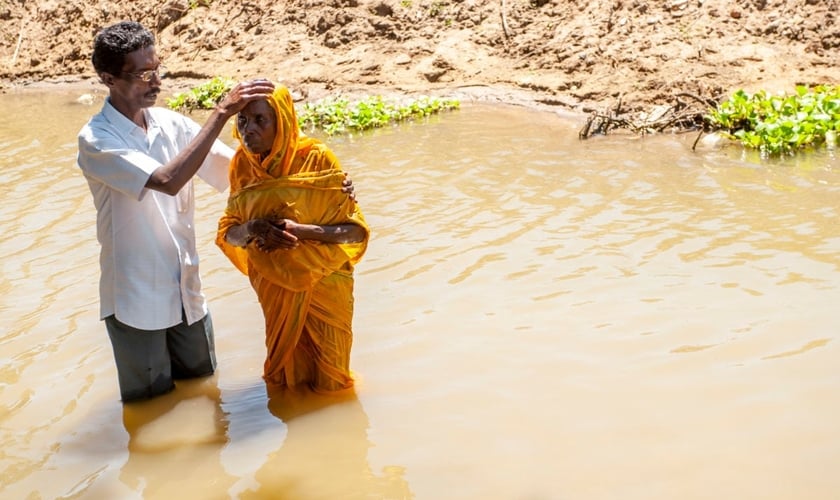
pixel 537 317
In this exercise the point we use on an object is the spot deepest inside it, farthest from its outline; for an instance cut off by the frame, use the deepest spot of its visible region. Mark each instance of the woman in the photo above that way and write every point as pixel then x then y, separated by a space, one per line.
pixel 295 233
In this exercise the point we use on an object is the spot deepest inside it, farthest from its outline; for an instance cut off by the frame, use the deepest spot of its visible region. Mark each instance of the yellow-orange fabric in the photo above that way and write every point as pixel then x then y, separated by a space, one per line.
pixel 307 293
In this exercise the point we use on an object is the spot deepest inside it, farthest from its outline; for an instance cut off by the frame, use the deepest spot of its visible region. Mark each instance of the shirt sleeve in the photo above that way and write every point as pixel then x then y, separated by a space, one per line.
pixel 107 159
pixel 214 170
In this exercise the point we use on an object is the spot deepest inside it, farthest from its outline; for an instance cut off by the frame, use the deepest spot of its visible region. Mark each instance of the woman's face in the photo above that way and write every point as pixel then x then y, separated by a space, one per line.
pixel 257 125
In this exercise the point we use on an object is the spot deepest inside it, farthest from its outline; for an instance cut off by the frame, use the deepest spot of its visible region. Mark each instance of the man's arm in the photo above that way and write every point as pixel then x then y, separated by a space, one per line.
pixel 171 177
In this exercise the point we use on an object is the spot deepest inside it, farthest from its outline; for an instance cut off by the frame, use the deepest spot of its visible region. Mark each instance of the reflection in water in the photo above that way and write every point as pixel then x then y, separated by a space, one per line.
pixel 178 435
pixel 177 445
pixel 324 454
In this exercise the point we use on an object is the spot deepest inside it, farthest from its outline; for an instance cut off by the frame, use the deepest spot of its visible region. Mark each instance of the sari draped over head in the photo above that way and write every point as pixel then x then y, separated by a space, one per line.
pixel 306 293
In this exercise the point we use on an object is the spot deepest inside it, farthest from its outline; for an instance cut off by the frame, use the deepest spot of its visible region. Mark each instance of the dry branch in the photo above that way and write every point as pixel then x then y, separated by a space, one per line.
pixel 680 116
pixel 504 20
pixel 19 41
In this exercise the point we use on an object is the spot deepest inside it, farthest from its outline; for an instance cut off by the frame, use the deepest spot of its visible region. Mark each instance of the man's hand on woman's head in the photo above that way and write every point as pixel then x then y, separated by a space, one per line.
pixel 244 92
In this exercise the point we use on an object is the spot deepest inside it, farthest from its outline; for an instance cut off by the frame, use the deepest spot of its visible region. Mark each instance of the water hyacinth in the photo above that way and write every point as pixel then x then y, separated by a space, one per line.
pixel 333 115
pixel 204 96
pixel 339 115
pixel 781 124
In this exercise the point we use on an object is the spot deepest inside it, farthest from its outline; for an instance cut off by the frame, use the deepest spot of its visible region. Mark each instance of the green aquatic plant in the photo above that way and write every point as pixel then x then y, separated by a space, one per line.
pixel 780 124
pixel 339 115
pixel 204 96
pixel 332 115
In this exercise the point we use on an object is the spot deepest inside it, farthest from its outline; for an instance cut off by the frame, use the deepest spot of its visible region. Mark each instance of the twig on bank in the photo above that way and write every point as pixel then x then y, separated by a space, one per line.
pixel 616 112
pixel 694 146
pixel 681 116
pixel 584 132
pixel 19 41
pixel 708 101
pixel 504 20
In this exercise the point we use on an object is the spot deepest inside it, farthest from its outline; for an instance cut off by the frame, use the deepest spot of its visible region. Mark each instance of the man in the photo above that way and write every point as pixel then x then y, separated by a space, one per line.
pixel 139 162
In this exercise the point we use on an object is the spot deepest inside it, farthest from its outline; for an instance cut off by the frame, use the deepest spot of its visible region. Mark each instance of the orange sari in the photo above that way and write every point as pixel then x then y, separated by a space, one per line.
pixel 307 293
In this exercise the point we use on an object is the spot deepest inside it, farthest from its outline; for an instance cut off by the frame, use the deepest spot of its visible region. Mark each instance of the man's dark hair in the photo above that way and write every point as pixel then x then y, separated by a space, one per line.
pixel 113 42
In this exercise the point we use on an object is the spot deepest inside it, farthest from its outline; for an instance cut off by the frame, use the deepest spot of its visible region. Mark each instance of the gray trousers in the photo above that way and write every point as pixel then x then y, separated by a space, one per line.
pixel 148 361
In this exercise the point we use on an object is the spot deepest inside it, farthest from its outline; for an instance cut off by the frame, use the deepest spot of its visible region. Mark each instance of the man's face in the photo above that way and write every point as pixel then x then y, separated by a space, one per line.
pixel 257 125
pixel 129 88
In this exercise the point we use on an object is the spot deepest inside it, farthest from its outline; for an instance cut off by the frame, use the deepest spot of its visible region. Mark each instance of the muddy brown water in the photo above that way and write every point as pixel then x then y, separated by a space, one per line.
pixel 537 318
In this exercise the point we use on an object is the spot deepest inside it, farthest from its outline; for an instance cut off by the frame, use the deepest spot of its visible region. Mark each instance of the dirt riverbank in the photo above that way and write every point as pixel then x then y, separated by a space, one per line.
pixel 570 55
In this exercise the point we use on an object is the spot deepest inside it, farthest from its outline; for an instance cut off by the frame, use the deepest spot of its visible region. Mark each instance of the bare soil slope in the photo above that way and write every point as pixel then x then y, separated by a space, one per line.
pixel 580 55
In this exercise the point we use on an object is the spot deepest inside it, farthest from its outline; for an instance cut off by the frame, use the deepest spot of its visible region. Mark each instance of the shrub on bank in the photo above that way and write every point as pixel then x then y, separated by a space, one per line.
pixel 204 96
pixel 331 115
pixel 339 115
pixel 780 124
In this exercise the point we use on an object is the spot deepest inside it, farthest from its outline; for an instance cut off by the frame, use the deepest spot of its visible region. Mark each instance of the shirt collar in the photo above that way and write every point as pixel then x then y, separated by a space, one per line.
pixel 123 125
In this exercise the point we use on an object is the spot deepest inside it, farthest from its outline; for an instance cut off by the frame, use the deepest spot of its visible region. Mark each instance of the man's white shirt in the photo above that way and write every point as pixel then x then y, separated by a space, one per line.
pixel 148 259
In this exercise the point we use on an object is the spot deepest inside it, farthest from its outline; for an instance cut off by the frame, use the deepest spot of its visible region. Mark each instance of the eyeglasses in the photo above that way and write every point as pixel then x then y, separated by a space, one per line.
pixel 146 76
